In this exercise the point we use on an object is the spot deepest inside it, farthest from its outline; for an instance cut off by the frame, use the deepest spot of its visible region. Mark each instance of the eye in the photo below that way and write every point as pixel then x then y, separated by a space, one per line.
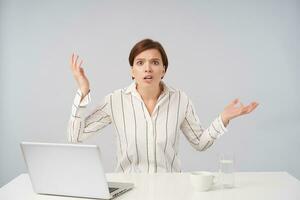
pixel 155 62
pixel 139 62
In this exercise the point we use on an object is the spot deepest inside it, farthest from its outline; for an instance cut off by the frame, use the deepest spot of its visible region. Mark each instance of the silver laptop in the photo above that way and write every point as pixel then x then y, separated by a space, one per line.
pixel 69 170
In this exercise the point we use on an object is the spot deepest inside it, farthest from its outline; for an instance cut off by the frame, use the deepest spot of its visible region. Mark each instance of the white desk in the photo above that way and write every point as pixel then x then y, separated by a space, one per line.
pixel 249 185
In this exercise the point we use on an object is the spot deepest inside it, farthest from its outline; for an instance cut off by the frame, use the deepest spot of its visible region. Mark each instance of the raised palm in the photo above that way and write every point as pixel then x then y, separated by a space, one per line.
pixel 235 109
pixel 79 75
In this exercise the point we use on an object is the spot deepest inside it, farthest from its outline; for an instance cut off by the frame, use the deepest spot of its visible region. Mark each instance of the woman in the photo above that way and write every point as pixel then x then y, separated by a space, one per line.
pixel 147 115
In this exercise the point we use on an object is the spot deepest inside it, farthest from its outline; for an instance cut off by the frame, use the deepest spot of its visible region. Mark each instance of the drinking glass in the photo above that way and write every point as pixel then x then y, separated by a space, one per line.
pixel 226 170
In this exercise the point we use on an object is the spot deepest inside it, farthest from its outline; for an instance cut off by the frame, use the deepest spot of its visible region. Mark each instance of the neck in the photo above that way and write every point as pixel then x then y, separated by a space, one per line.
pixel 150 93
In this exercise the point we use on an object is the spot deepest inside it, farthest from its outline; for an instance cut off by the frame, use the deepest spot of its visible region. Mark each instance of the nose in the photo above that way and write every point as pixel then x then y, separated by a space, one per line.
pixel 148 67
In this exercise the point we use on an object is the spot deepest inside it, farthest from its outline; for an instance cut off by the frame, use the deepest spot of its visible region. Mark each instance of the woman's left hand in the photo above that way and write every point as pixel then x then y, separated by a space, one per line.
pixel 235 109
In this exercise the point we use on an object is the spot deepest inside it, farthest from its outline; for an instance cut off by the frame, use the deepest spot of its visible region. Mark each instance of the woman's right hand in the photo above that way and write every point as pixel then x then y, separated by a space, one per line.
pixel 79 75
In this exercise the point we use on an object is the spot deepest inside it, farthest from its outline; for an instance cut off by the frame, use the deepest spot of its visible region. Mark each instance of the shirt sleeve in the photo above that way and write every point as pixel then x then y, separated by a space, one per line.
pixel 200 138
pixel 82 126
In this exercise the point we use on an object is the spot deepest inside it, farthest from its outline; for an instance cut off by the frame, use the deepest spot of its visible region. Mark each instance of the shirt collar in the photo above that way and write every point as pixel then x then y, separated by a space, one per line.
pixel 132 88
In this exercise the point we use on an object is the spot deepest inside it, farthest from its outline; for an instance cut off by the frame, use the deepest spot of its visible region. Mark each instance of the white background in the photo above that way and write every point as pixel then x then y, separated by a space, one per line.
pixel 218 50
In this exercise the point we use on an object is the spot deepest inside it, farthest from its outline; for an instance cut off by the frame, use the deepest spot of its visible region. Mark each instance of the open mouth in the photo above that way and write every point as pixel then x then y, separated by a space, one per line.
pixel 148 77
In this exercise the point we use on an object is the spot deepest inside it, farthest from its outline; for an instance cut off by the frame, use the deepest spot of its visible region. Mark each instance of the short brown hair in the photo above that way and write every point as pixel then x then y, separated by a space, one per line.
pixel 144 45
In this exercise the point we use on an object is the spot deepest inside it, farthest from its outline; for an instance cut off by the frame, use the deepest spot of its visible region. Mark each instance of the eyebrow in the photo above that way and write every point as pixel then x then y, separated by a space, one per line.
pixel 150 59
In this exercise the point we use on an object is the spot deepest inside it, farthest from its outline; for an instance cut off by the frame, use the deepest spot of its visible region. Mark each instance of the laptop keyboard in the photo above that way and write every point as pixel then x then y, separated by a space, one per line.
pixel 111 189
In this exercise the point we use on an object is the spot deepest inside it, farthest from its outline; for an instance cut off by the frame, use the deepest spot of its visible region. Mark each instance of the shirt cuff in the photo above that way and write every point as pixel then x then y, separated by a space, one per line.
pixel 79 105
pixel 78 101
pixel 222 124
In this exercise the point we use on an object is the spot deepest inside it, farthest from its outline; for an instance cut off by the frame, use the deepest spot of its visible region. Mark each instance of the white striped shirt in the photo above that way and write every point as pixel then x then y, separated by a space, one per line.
pixel 144 143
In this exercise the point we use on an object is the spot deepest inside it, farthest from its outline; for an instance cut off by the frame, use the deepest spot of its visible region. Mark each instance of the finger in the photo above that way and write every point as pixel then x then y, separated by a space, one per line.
pixel 251 107
pixel 245 110
pixel 248 110
pixel 72 60
pixel 232 103
pixel 80 64
pixel 76 62
pixel 235 101
pixel 241 104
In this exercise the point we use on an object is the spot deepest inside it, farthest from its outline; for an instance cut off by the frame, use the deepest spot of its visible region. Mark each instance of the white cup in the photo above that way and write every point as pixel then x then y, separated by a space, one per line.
pixel 202 180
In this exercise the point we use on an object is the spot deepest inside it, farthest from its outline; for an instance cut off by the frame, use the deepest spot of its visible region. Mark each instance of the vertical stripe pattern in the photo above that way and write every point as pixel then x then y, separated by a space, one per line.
pixel 124 127
pixel 135 133
pixel 146 142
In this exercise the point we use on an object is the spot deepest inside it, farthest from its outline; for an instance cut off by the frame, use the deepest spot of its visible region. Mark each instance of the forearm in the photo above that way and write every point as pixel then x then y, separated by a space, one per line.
pixel 77 121
pixel 225 119
pixel 201 139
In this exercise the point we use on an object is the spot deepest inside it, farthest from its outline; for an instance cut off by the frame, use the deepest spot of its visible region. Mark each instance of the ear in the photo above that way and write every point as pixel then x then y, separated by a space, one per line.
pixel 164 71
pixel 131 71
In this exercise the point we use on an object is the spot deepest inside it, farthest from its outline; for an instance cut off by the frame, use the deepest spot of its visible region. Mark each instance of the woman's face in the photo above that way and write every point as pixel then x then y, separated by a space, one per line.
pixel 148 68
